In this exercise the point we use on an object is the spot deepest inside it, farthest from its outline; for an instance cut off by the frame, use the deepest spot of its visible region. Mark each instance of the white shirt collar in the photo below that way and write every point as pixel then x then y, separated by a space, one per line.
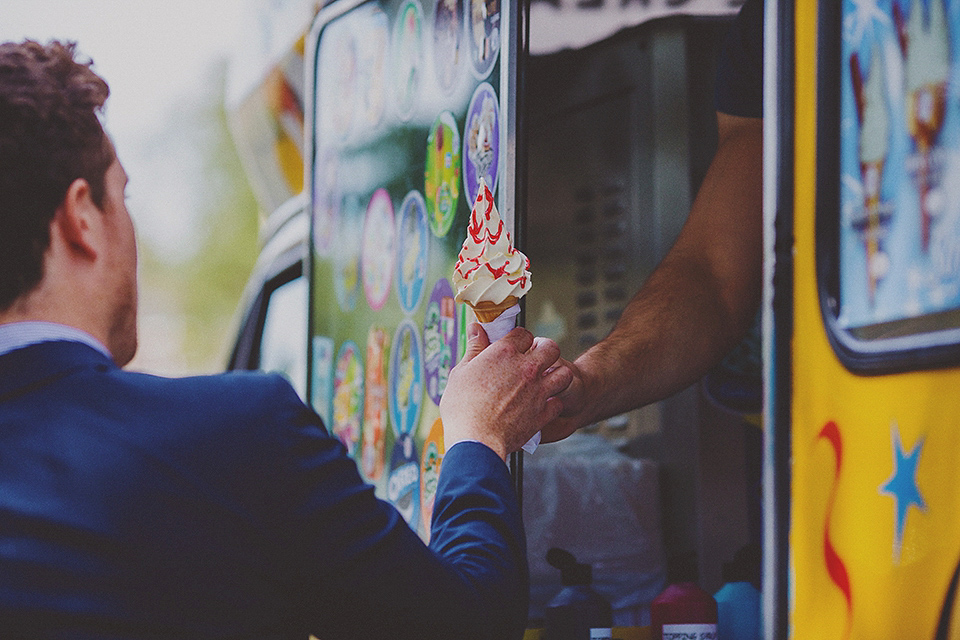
pixel 16 335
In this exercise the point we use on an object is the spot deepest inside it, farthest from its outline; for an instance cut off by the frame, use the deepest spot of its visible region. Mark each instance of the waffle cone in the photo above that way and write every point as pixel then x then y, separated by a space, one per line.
pixel 490 311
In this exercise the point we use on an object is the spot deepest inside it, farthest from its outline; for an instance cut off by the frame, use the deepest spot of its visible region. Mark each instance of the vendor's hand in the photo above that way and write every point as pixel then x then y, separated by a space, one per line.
pixel 574 401
pixel 501 394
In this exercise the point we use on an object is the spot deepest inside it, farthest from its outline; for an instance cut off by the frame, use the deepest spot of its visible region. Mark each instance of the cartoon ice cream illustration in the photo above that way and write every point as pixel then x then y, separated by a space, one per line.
pixel 925 45
pixel 406 374
pixel 480 133
pixel 872 112
pixel 490 274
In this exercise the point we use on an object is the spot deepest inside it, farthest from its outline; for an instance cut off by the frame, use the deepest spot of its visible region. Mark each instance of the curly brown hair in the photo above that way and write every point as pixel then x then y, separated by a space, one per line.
pixel 50 135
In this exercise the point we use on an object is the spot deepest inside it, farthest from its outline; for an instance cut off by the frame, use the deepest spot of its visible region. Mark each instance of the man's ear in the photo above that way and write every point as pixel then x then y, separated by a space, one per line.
pixel 79 220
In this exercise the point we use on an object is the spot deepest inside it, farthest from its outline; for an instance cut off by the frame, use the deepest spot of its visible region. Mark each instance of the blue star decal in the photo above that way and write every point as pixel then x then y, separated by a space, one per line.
pixel 902 485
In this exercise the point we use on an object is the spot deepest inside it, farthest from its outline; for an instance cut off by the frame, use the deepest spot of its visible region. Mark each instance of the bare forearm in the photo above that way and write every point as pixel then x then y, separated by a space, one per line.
pixel 701 298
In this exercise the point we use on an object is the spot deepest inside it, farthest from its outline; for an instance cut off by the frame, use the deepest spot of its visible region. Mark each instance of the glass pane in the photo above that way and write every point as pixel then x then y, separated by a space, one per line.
pixel 900 141
pixel 283 345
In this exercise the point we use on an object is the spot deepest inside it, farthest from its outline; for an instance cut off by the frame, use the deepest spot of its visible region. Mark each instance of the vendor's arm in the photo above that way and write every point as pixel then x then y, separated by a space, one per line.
pixel 695 306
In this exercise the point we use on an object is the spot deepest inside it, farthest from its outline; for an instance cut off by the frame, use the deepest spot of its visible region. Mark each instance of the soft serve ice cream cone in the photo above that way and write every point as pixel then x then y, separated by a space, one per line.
pixel 490 275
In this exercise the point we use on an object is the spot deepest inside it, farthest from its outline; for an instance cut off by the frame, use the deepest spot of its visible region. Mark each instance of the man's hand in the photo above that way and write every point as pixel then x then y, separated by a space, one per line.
pixel 574 403
pixel 501 394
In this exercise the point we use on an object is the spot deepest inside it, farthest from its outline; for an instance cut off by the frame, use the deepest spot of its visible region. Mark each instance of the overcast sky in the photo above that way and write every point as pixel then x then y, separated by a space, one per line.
pixel 156 55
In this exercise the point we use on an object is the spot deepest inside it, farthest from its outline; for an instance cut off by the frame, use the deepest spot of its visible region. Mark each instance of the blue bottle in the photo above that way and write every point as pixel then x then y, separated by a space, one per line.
pixel 738 601
pixel 577 612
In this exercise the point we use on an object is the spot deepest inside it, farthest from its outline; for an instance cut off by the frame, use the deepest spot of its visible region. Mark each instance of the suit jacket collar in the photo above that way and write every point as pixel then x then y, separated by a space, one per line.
pixel 25 368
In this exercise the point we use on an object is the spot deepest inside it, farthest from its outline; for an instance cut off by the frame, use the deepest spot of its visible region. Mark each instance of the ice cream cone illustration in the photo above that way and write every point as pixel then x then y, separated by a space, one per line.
pixel 925 45
pixel 873 146
pixel 490 275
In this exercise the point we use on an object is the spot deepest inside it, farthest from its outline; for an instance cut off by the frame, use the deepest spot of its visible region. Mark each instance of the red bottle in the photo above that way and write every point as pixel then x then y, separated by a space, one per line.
pixel 684 610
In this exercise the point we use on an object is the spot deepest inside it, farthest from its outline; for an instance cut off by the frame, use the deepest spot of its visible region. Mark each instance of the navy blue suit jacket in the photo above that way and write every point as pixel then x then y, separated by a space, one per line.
pixel 135 506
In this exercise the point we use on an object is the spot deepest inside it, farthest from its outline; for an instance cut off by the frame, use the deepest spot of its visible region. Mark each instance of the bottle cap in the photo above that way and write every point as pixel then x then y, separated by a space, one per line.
pixel 571 571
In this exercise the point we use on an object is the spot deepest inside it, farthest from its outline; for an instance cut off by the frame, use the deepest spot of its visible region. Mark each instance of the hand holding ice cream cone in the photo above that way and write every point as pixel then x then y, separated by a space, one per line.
pixel 491 275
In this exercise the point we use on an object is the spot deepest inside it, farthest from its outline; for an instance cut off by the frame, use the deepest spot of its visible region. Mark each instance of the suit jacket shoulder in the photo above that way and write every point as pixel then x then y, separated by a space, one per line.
pixel 219 506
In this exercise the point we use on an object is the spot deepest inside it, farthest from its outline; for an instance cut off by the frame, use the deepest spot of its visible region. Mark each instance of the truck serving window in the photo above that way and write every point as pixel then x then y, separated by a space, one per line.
pixel 888 216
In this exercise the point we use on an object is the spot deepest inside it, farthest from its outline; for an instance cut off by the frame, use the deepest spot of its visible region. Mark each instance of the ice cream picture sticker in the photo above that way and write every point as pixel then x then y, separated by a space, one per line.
pixel 321 394
pixel 407 57
pixel 403 482
pixel 430 463
pixel 448 42
pixel 346 253
pixel 338 63
pixel 439 339
pixel 490 275
pixel 406 378
pixel 348 396
pixel 481 141
pixel 378 247
pixel 413 244
pixel 483 28
pixel 372 41
pixel 373 451
pixel 442 174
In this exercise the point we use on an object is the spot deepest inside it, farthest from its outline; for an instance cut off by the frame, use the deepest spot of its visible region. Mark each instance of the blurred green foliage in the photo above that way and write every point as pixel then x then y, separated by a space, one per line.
pixel 202 292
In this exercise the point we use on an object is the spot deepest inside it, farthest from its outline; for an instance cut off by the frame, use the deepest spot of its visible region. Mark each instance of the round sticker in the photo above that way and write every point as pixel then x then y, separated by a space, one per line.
pixel 346 253
pixel 406 378
pixel 378 248
pixel 448 45
pixel 483 33
pixel 371 67
pixel 326 202
pixel 481 141
pixel 442 175
pixel 407 57
pixel 338 64
pixel 373 452
pixel 430 462
pixel 413 244
pixel 403 483
pixel 348 396
pixel 439 339
pixel 321 392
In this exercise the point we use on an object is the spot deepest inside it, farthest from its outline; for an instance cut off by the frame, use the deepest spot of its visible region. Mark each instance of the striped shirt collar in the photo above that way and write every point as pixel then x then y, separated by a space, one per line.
pixel 16 335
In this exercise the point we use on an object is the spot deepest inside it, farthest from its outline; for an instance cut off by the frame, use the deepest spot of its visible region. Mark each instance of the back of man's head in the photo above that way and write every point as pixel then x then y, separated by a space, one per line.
pixel 50 135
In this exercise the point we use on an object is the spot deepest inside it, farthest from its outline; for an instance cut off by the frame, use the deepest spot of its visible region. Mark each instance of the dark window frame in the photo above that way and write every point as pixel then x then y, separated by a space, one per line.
pixel 246 352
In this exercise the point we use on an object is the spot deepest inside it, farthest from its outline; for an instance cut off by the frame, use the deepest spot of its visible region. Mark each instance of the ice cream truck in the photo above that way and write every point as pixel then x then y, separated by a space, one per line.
pixel 827 436
pixel 863 223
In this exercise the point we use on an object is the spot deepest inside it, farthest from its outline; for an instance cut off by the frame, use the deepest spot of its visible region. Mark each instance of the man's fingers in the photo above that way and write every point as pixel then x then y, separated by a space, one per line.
pixel 551 411
pixel 477 341
pixel 520 338
pixel 557 379
pixel 545 352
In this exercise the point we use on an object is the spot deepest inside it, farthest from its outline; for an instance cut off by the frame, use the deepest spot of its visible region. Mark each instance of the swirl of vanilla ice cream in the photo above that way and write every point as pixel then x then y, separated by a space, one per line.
pixel 489 268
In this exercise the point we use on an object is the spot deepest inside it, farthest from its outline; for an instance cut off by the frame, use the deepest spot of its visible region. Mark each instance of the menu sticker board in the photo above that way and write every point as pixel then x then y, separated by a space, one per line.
pixel 410 106
pixel 899 252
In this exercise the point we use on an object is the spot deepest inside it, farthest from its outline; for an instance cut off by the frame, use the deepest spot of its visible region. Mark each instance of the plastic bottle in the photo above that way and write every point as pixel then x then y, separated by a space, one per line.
pixel 577 612
pixel 683 609
pixel 738 601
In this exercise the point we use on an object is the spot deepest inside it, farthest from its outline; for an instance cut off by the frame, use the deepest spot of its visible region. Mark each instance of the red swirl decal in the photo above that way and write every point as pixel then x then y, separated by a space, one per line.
pixel 835 567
